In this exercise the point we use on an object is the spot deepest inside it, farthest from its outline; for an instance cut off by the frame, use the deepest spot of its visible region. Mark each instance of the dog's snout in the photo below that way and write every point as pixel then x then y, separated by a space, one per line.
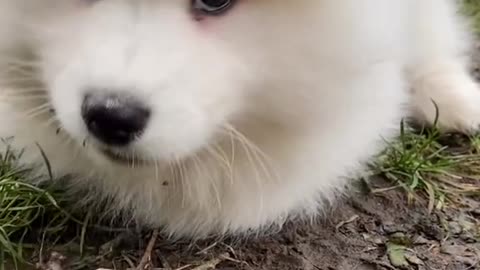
pixel 114 119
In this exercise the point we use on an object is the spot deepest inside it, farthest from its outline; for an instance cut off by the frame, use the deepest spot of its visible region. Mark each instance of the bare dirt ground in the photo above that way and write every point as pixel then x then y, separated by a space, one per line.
pixel 359 234
pixel 365 232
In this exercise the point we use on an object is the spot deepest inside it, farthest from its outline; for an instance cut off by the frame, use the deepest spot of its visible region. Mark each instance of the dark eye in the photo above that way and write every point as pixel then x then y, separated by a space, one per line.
pixel 212 7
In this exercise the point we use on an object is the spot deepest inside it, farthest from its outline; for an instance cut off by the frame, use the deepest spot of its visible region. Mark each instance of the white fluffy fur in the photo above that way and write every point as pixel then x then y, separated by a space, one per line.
pixel 258 115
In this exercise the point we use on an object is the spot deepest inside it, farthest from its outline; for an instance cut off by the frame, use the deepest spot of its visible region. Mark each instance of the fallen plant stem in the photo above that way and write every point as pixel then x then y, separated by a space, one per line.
pixel 146 261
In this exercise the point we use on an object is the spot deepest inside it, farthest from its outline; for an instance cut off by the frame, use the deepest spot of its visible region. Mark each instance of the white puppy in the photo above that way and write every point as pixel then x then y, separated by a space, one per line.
pixel 224 116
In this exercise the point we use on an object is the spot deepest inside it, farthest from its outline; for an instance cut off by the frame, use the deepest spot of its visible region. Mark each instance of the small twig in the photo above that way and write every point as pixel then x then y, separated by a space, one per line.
pixel 212 264
pixel 184 267
pixel 345 222
pixel 205 250
pixel 145 263
pixel 163 260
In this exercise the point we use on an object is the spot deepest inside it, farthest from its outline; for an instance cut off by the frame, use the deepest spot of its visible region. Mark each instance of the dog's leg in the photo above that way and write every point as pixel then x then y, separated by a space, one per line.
pixel 439 74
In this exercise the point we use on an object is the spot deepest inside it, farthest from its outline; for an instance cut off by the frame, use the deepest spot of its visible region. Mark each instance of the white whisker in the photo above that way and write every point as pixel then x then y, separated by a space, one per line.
pixel 201 173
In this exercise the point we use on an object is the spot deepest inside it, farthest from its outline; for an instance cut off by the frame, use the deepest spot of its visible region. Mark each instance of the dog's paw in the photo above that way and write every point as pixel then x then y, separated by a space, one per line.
pixel 451 102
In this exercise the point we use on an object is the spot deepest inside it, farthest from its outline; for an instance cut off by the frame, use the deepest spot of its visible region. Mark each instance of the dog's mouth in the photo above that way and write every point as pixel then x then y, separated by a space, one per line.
pixel 125 159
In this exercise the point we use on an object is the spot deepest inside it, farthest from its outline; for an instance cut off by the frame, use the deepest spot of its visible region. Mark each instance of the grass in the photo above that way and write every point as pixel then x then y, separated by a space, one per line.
pixel 420 164
pixel 472 9
pixel 417 162
pixel 24 208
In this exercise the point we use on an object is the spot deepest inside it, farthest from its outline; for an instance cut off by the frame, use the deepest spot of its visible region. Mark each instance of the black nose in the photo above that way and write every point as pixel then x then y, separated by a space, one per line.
pixel 114 119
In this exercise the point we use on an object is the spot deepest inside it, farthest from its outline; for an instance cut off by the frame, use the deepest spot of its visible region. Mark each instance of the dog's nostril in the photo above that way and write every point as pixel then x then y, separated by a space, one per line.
pixel 114 119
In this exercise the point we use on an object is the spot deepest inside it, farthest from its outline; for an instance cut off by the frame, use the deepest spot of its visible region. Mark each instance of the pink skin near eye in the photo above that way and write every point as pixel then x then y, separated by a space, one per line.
pixel 204 22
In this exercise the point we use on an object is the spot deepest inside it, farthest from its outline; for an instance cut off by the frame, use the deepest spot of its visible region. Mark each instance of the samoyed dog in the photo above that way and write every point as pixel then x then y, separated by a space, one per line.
pixel 225 116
